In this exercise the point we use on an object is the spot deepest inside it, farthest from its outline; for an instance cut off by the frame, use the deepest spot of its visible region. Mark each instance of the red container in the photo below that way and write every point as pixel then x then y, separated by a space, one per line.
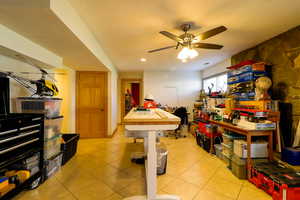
pixel 254 177
pixel 281 183
pixel 286 187
pixel 266 184
pixel 202 127
pixel 261 181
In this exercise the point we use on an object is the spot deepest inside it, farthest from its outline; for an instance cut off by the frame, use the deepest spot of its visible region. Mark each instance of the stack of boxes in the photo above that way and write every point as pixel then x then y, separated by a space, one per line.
pixel 234 153
pixel 228 146
pixel 50 107
pixel 241 81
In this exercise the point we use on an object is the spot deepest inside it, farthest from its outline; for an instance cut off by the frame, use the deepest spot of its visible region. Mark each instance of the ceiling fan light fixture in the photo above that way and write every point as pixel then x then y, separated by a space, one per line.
pixel 187 53
pixel 193 53
pixel 183 54
pixel 184 60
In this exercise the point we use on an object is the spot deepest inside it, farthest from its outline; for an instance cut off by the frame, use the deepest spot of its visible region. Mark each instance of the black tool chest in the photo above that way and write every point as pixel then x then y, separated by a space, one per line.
pixel 21 139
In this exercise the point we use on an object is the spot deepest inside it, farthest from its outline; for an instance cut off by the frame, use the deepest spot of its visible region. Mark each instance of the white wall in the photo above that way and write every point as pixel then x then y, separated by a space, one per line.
pixel 173 88
pixel 68 15
pixel 66 83
pixel 112 102
pixel 67 88
pixel 216 69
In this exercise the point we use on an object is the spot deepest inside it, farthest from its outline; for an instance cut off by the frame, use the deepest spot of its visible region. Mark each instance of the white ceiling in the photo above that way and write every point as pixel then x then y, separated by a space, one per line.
pixel 127 29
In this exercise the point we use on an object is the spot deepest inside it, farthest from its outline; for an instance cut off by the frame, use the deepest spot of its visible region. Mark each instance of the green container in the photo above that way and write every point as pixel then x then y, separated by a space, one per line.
pixel 239 167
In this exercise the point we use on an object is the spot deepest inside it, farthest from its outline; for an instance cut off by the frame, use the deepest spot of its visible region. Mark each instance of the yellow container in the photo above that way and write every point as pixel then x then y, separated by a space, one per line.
pixel 3 185
pixel 229 104
pixel 259 105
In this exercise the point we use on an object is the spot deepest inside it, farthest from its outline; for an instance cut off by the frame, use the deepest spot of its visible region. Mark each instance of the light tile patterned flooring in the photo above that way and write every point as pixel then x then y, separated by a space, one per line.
pixel 102 170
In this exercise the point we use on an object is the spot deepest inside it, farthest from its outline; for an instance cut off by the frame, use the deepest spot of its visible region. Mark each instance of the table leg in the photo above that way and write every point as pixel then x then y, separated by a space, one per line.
pixel 151 166
pixel 249 141
pixel 270 145
pixel 151 172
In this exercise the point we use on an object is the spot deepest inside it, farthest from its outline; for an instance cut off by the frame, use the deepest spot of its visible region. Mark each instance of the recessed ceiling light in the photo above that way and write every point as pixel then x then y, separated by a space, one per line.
pixel 143 59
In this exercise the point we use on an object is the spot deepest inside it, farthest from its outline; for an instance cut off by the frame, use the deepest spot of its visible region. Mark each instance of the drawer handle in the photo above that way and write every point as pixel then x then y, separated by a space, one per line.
pixel 17 146
pixel 6 132
pixel 19 136
pixel 35 119
pixel 28 127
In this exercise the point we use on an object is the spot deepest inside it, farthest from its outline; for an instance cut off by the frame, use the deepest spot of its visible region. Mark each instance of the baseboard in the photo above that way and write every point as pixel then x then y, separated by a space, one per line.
pixel 114 132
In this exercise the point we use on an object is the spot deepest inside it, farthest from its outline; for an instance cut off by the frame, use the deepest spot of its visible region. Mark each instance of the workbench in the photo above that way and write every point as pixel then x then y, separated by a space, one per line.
pixel 149 125
pixel 249 134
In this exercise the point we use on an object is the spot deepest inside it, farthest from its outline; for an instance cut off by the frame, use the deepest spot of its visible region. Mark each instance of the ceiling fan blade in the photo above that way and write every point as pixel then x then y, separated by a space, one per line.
pixel 171 36
pixel 210 33
pixel 207 46
pixel 160 49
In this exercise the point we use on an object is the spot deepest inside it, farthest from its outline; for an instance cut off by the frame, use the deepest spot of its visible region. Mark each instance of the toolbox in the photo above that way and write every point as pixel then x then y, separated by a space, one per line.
pixel 280 182
pixel 244 77
pixel 286 186
pixel 247 68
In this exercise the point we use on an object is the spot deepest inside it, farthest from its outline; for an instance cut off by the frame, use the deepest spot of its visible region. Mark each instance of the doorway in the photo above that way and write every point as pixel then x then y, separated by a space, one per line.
pixel 131 95
pixel 91 104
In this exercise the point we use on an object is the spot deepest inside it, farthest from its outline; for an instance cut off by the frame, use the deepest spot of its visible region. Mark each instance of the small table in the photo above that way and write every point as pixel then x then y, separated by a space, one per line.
pixel 148 124
pixel 249 134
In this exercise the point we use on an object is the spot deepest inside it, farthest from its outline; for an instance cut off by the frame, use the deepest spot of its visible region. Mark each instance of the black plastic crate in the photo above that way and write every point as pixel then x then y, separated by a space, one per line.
pixel 69 147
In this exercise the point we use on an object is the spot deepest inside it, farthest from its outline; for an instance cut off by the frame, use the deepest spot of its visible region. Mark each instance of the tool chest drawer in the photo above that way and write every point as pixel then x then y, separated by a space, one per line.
pixel 21 144
pixel 16 122
pixel 19 133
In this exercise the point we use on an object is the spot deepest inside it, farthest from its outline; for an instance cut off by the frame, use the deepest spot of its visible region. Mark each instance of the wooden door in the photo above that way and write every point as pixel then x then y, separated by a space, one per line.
pixel 91 119
pixel 124 82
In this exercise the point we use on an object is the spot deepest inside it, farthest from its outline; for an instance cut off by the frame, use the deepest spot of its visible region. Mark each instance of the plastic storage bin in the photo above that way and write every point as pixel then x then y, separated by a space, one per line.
pixel 258 149
pixel 227 139
pixel 162 159
pixel 218 149
pixel 226 159
pixel 48 106
pixel 239 167
pixel 69 146
pixel 52 127
pixel 227 150
pixel 52 166
pixel 52 147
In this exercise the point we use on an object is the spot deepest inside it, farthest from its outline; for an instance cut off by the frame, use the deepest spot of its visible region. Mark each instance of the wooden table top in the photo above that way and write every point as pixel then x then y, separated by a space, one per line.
pixel 240 130
pixel 153 117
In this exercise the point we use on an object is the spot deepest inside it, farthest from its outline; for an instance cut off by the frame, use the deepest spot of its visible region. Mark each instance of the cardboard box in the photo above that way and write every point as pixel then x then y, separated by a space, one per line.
pixel 258 149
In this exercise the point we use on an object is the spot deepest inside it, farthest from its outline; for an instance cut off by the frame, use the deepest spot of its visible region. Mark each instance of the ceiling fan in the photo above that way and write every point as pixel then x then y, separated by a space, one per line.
pixel 190 41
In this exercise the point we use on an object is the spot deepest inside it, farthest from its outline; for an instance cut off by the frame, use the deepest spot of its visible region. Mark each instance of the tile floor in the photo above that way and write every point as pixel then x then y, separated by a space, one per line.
pixel 102 170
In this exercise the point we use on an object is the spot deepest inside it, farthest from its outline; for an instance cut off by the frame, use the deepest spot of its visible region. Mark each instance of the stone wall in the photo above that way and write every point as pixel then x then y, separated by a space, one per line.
pixel 283 53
